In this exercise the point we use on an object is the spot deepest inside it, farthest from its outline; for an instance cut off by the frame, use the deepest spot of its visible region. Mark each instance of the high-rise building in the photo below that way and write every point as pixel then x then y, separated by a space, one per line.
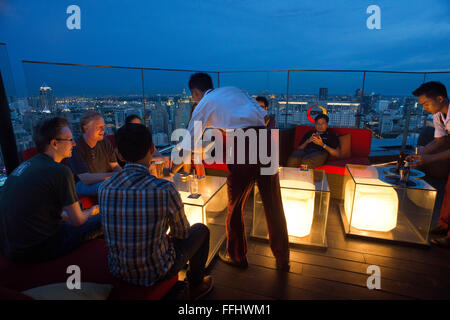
pixel 46 99
pixel 381 105
pixel 323 94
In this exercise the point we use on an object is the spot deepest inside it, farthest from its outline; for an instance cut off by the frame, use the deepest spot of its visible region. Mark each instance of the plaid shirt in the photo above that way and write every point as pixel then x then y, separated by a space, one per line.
pixel 137 209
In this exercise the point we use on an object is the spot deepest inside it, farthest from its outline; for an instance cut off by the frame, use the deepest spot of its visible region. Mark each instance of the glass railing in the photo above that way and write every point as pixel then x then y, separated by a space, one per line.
pixel 14 104
pixel 379 101
pixel 168 103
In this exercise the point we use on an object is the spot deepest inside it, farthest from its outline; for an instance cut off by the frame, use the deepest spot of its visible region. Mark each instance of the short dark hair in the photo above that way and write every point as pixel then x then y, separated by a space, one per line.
pixel 431 89
pixel 88 117
pixel 47 130
pixel 263 100
pixel 201 81
pixel 133 141
pixel 322 116
pixel 131 117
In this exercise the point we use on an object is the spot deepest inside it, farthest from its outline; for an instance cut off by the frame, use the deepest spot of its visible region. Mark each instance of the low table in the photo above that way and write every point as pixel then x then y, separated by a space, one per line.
pixel 210 208
pixel 306 196
pixel 377 206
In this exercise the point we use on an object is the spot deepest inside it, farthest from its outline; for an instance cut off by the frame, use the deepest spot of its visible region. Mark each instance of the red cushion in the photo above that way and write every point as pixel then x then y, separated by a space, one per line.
pixel 124 291
pixel 112 139
pixel 91 257
pixel 88 201
pixel 361 138
pixel 218 166
pixel 29 153
pixel 338 166
pixel 8 294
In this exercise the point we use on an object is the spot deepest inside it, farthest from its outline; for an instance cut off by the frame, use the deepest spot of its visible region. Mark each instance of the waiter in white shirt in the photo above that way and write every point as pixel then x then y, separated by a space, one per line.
pixel 232 108
pixel 433 96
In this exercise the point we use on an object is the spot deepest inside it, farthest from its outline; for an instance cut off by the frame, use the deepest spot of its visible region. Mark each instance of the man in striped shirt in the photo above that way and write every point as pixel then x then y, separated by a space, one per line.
pixel 137 211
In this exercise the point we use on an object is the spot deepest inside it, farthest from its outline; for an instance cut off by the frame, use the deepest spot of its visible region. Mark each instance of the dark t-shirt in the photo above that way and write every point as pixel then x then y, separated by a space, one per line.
pixel 93 160
pixel 31 203
pixel 329 138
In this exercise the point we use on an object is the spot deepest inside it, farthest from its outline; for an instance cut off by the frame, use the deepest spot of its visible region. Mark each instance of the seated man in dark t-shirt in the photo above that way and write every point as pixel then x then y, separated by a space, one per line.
pixel 93 159
pixel 315 146
pixel 38 195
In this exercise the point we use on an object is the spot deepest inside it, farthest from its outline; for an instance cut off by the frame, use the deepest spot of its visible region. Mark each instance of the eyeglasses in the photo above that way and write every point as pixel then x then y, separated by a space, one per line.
pixel 71 139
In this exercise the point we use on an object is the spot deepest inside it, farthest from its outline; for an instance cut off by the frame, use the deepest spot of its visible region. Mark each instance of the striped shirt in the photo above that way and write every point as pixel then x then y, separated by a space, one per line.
pixel 137 209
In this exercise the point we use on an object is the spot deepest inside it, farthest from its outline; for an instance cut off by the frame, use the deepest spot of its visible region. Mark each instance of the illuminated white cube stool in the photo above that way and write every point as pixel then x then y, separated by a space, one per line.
pixel 375 206
pixel 305 195
pixel 210 208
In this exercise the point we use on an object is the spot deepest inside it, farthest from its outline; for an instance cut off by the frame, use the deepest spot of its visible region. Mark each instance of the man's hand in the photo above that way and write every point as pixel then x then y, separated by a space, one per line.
pixel 93 210
pixel 419 159
pixel 317 139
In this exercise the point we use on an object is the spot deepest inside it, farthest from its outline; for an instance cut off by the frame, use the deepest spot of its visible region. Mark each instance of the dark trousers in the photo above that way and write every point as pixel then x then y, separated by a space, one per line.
pixel 312 159
pixel 240 182
pixel 67 239
pixel 195 250
pixel 444 219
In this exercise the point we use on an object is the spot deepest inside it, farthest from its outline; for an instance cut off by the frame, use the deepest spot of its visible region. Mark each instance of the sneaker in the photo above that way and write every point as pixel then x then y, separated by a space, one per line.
pixel 228 260
pixel 202 289
pixel 442 242
pixel 438 230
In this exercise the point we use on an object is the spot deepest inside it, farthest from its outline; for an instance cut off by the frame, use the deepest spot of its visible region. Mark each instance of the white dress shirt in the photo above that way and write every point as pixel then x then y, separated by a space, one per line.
pixel 441 124
pixel 225 108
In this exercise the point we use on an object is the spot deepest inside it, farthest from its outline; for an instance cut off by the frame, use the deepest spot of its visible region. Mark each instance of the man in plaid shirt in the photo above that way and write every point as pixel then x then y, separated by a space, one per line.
pixel 137 210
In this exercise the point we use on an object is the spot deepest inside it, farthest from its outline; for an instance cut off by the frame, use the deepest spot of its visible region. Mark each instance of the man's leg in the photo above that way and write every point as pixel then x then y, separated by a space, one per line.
pixel 194 249
pixel 315 159
pixel 295 159
pixel 70 237
pixel 269 188
pixel 67 239
pixel 444 219
pixel 239 185
pixel 87 189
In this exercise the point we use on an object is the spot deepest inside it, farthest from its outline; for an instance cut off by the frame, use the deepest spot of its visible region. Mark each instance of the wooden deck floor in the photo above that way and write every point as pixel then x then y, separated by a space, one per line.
pixel 337 273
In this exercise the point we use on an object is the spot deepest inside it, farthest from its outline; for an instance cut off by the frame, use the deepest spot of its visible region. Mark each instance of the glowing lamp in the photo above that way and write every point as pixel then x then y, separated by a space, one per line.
pixel 305 196
pixel 298 207
pixel 374 208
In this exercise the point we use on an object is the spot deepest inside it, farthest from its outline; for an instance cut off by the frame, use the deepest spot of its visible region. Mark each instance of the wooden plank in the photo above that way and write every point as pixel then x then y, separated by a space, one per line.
pixel 436 277
pixel 262 281
pixel 419 279
pixel 266 281
pixel 405 289
pixel 221 292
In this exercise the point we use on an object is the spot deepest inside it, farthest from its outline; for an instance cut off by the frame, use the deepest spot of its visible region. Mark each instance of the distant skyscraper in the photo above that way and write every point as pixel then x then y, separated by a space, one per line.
pixel 323 93
pixel 46 99
pixel 382 106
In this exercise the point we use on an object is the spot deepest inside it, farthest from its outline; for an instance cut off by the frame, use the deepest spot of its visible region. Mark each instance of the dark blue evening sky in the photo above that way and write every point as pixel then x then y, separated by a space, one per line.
pixel 224 35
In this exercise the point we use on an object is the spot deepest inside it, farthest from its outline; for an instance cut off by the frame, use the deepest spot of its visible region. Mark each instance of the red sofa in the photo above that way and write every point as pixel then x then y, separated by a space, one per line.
pixel 360 147
pixel 91 257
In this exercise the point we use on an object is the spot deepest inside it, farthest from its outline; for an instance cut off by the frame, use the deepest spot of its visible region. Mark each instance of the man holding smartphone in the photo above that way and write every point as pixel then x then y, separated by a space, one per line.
pixel 316 146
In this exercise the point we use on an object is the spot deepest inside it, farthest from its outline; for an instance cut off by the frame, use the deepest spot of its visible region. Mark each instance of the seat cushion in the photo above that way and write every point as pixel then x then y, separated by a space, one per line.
pixel 91 257
pixel 345 143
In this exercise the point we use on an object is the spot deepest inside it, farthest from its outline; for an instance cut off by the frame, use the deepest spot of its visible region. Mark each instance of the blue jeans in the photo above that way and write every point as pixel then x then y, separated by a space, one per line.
pixel 67 239
pixel 87 189
pixel 195 250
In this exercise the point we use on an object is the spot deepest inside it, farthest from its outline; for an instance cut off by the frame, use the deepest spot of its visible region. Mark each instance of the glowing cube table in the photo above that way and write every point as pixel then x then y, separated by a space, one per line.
pixel 210 208
pixel 305 195
pixel 376 206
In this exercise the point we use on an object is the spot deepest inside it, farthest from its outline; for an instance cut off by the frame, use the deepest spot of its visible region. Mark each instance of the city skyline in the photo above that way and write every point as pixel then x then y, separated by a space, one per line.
pixel 229 35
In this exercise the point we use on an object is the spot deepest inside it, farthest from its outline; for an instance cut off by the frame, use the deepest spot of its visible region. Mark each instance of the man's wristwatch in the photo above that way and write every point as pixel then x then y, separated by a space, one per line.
pixel 324 146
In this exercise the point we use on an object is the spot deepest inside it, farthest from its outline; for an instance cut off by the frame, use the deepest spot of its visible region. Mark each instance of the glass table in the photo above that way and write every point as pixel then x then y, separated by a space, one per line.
pixel 306 196
pixel 209 208
pixel 377 205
